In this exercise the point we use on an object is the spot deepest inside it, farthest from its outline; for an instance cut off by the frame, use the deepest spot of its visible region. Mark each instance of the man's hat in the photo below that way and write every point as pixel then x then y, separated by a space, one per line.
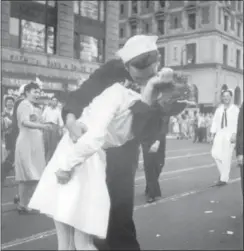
pixel 136 46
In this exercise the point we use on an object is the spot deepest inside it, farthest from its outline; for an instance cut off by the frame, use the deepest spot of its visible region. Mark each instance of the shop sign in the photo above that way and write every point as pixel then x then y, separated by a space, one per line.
pixel 13 92
pixel 13 82
pixel 49 62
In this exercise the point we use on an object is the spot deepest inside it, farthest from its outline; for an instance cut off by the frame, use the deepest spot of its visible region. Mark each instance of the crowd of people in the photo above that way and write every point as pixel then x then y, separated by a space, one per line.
pixel 77 164
pixel 194 126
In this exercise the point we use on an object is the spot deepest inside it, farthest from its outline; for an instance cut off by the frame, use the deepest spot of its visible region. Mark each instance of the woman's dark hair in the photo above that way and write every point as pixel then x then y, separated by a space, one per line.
pixel 105 76
pixel 30 87
pixel 8 98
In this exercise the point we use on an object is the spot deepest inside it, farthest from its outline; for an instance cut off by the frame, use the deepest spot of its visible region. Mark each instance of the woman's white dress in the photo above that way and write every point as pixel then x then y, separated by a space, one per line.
pixel 84 202
pixel 29 149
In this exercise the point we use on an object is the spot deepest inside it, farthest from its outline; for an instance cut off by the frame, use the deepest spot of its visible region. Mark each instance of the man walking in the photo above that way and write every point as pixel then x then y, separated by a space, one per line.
pixel 154 160
pixel 223 131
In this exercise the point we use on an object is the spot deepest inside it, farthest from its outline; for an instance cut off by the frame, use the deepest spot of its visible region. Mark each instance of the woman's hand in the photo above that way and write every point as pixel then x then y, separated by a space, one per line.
pixel 63 177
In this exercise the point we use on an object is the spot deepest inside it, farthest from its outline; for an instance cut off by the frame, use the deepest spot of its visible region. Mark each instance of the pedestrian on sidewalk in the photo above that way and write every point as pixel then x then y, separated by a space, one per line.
pixel 176 129
pixel 195 127
pixel 239 144
pixel 29 150
pixel 8 164
pixel 52 116
pixel 154 160
pixel 223 131
pixel 201 128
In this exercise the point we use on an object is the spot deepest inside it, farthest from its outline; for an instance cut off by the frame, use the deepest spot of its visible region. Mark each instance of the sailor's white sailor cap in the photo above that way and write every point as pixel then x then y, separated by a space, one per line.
pixel 136 46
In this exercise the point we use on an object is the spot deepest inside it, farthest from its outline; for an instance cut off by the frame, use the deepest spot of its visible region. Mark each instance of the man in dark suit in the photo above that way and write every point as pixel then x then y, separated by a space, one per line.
pixel 153 163
pixel 239 143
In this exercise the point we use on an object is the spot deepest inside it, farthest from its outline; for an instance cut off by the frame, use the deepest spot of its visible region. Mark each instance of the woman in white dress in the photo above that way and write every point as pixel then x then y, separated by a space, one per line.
pixel 29 150
pixel 81 207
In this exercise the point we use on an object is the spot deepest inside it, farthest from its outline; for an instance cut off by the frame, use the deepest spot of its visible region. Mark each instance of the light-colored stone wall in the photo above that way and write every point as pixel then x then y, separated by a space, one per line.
pixel 112 29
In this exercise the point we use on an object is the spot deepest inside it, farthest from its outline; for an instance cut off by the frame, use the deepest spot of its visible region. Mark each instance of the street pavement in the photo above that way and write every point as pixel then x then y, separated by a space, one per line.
pixel 192 214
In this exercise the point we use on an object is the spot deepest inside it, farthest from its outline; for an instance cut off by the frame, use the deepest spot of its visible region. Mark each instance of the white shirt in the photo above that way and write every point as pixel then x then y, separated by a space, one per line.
pixel 52 115
pixel 201 121
pixel 232 118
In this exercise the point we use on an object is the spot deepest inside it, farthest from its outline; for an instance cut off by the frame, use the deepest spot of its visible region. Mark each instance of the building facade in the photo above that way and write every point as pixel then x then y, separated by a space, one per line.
pixel 61 42
pixel 204 39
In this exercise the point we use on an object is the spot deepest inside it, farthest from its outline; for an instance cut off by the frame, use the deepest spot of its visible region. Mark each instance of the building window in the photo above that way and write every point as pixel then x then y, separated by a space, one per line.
pixel 147 3
pixel 175 23
pixel 121 32
pixel 134 4
pixel 121 9
pixel 161 28
pixel 232 22
pixel 34 31
pixel 192 21
pixel 220 15
pixel 147 30
pixel 89 49
pixel 175 53
pixel 225 54
pixel 226 22
pixel 238 29
pixel 191 53
pixel 162 53
pixel 91 9
pixel 239 8
pixel 49 2
pixel 205 15
pixel 162 3
pixel 238 59
pixel 133 29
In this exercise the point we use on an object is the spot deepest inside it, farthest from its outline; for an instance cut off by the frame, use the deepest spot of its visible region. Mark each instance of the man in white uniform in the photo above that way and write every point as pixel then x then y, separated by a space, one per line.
pixel 223 131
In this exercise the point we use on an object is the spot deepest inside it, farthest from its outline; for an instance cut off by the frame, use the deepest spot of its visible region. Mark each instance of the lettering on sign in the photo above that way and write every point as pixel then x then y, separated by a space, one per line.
pixel 50 62
pixel 13 82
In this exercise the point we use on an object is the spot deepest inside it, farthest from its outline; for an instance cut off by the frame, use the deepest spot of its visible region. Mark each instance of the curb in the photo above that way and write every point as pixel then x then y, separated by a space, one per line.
pixel 8 208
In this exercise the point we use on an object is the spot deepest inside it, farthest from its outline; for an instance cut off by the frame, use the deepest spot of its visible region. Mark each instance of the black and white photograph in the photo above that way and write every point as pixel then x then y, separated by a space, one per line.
pixel 121 125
